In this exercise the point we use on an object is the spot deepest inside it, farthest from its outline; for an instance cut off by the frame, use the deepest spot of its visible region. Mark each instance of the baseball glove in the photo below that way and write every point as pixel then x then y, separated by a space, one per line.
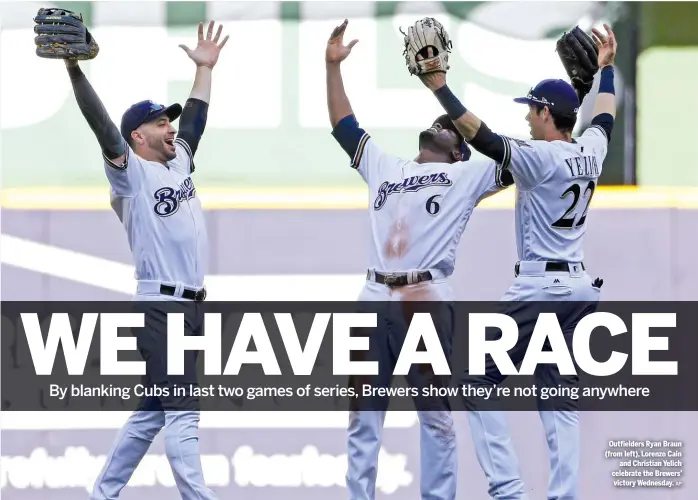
pixel 62 35
pixel 580 57
pixel 427 45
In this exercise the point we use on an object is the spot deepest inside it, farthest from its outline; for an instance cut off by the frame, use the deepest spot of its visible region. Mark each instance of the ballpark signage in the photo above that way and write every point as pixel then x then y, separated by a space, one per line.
pixel 332 356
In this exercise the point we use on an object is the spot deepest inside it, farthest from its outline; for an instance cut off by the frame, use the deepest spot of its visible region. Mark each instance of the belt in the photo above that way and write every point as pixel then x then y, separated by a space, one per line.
pixel 553 266
pixel 187 293
pixel 400 279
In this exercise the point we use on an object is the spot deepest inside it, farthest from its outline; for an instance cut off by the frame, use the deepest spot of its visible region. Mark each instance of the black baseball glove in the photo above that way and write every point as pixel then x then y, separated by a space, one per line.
pixel 580 57
pixel 61 34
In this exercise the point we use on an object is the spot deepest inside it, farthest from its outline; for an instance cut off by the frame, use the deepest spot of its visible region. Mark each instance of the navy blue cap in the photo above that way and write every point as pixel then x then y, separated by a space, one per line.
pixel 558 95
pixel 146 111
pixel 447 123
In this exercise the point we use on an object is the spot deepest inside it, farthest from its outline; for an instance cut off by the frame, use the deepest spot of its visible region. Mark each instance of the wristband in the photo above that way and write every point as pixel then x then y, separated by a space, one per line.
pixel 606 83
pixel 453 107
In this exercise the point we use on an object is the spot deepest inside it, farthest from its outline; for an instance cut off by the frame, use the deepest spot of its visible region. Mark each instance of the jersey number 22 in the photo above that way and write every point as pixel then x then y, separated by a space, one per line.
pixel 568 218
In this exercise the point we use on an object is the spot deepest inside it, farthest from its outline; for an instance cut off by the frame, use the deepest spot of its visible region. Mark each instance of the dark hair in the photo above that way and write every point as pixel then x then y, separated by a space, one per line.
pixel 563 123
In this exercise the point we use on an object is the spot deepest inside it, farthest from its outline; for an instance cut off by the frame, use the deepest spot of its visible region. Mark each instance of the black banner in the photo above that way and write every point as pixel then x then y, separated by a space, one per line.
pixel 331 356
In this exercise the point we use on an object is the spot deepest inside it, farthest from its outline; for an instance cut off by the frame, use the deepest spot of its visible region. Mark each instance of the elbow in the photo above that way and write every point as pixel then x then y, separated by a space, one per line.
pixel 339 112
pixel 337 118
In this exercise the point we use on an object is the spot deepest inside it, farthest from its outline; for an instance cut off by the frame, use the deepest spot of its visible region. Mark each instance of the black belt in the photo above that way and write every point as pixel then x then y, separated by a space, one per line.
pixel 553 266
pixel 399 279
pixel 187 293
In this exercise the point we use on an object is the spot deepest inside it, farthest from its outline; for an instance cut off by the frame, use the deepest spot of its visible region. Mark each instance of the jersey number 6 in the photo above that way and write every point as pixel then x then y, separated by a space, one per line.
pixel 432 205
pixel 567 222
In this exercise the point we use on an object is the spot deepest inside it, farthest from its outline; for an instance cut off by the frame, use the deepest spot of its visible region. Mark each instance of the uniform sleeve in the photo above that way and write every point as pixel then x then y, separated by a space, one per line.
pixel 595 138
pixel 125 179
pixel 526 160
pixel 486 178
pixel 366 157
pixel 370 161
pixel 184 162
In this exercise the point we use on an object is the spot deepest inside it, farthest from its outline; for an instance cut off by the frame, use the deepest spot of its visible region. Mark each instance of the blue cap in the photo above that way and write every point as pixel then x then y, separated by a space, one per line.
pixel 447 123
pixel 558 95
pixel 146 111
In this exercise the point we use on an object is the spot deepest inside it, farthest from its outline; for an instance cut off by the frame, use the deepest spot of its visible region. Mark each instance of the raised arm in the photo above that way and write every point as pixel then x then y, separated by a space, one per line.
pixel 605 104
pixel 345 128
pixel 113 146
pixel 193 120
pixel 337 101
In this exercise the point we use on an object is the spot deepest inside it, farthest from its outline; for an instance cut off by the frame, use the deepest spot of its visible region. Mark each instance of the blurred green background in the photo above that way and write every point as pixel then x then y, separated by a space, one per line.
pixel 268 124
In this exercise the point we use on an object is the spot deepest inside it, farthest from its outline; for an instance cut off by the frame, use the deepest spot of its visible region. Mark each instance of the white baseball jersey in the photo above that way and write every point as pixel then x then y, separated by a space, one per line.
pixel 163 218
pixel 418 211
pixel 555 183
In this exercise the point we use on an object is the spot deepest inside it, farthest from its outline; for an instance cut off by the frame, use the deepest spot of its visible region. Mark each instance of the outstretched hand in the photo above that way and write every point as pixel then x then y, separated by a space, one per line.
pixel 207 49
pixel 607 46
pixel 336 50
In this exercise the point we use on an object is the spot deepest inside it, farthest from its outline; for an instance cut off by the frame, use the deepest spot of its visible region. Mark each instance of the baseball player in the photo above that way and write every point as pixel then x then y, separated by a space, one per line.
pixel 149 168
pixel 555 177
pixel 418 211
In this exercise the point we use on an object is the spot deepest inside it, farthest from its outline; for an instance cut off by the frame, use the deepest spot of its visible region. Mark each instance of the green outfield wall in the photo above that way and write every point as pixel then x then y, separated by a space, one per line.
pixel 667 68
pixel 268 125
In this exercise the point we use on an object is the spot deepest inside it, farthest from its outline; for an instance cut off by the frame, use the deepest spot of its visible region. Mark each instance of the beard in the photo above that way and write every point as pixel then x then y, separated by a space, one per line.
pixel 158 144
pixel 427 140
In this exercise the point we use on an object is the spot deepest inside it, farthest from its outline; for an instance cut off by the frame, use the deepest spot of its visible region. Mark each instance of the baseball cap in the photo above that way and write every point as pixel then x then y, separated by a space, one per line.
pixel 146 111
pixel 558 95
pixel 447 123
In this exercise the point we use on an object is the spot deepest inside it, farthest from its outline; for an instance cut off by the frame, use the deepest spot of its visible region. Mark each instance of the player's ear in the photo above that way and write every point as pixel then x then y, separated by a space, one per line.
pixel 548 113
pixel 456 155
pixel 136 136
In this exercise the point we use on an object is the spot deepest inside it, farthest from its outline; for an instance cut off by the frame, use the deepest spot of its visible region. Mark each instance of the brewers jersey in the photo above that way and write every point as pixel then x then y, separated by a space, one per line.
pixel 418 211
pixel 555 184
pixel 162 215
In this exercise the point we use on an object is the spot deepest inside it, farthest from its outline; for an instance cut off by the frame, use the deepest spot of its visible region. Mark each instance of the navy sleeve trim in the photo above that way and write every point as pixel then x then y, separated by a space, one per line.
pixel 185 145
pixel 114 165
pixel 503 177
pixel 604 122
pixel 350 137
pixel 356 161
pixel 192 123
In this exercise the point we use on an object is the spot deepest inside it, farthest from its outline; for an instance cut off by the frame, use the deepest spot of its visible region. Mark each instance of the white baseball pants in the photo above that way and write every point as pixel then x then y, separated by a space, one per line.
pixel 438 455
pixel 179 418
pixel 489 429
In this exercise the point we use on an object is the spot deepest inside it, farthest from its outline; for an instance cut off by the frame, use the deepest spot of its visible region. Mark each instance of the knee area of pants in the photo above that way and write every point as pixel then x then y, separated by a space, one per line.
pixel 182 416
pixel 441 424
pixel 365 433
pixel 557 417
pixel 147 433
